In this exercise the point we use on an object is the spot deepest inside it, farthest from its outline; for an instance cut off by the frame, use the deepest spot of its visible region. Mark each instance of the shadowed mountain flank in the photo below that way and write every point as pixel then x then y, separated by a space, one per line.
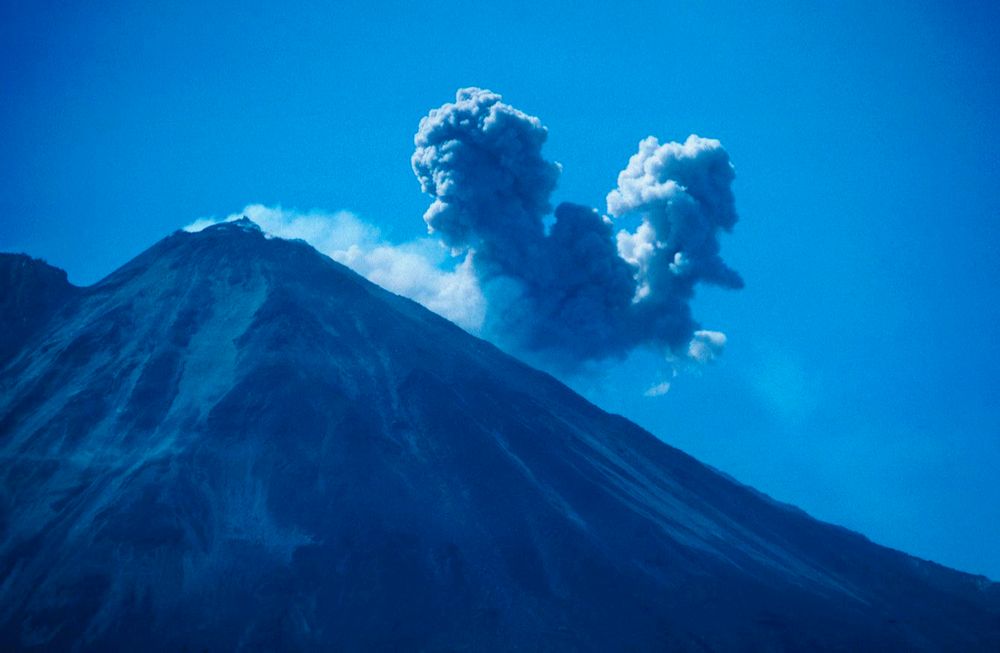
pixel 30 292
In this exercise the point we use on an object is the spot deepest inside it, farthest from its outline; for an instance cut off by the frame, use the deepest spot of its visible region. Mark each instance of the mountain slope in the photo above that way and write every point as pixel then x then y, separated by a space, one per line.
pixel 233 442
pixel 30 292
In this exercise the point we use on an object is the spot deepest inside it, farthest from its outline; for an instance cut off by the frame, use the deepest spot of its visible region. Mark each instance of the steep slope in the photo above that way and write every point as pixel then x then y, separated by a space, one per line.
pixel 31 291
pixel 234 443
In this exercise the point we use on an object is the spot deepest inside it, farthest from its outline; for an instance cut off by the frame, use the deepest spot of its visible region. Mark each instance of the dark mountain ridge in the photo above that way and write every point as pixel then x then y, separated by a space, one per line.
pixel 235 443
pixel 31 290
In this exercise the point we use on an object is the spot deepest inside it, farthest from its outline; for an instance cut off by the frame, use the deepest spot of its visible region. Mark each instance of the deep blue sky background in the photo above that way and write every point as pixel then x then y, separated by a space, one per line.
pixel 860 380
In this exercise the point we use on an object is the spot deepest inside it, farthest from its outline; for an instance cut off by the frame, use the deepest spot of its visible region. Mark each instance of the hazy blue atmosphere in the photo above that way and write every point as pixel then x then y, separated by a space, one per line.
pixel 858 380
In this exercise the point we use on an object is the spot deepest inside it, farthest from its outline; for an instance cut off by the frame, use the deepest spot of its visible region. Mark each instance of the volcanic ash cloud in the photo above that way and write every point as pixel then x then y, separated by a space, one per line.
pixel 579 291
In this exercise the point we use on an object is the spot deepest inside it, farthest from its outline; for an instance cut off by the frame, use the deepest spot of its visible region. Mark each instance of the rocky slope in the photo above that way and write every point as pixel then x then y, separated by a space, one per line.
pixel 30 292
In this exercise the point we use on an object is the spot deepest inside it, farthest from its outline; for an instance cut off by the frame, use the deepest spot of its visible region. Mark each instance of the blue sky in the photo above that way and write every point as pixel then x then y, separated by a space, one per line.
pixel 859 377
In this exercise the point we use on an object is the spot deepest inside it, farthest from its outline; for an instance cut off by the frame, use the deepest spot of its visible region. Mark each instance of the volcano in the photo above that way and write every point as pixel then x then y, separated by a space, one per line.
pixel 235 443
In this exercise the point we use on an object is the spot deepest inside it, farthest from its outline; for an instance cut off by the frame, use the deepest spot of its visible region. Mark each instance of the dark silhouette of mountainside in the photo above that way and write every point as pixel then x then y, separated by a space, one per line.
pixel 30 291
pixel 235 443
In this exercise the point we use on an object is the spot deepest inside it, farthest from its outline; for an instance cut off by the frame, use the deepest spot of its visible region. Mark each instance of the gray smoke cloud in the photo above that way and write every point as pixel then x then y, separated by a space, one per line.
pixel 481 161
pixel 577 292
pixel 683 193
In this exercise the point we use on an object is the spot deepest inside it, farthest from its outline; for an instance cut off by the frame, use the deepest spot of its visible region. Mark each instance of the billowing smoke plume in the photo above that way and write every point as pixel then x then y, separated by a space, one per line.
pixel 579 292
pixel 481 160
pixel 683 193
